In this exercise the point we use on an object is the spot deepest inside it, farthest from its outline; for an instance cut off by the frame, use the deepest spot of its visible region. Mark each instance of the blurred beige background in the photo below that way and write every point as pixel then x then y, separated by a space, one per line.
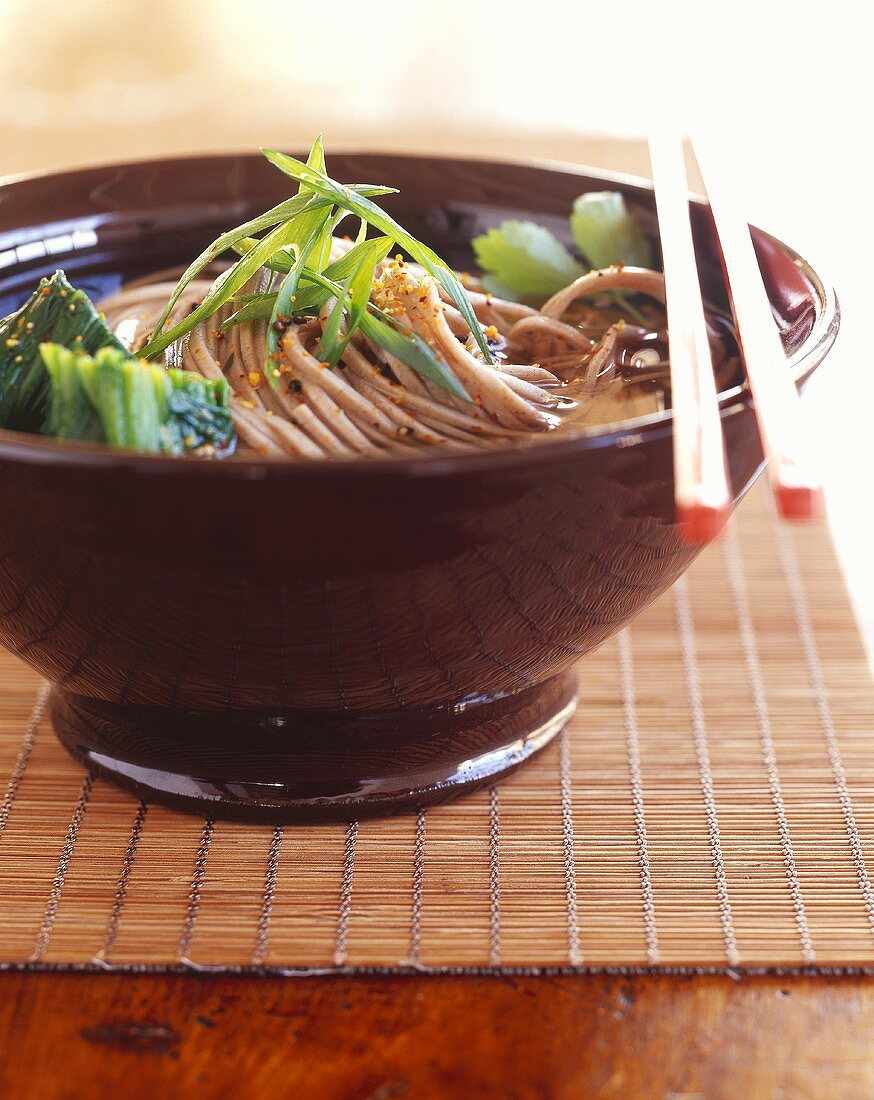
pixel 83 81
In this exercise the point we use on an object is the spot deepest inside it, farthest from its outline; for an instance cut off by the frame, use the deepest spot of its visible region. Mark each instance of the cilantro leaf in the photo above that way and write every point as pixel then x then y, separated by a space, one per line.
pixel 524 261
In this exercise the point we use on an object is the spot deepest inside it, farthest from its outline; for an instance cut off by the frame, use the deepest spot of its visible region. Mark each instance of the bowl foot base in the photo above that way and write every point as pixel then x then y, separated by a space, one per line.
pixel 302 766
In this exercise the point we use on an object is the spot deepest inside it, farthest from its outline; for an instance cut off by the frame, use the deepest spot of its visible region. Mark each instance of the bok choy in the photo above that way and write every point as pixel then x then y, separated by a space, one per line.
pixel 55 312
pixel 116 399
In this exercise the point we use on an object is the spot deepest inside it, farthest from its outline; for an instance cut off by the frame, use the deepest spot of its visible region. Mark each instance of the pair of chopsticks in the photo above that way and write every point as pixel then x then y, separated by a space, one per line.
pixel 701 486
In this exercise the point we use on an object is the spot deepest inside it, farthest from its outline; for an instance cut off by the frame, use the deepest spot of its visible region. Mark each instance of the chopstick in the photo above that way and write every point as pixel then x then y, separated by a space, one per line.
pixel 701 491
pixel 777 402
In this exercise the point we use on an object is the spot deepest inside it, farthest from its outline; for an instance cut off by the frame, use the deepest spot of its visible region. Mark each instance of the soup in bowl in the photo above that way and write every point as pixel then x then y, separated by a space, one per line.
pixel 277 634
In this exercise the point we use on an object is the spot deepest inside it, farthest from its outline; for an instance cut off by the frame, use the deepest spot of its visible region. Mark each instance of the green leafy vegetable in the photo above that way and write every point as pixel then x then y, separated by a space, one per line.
pixel 70 412
pixel 606 233
pixel 56 312
pixel 361 205
pixel 113 398
pixel 524 262
pixel 195 414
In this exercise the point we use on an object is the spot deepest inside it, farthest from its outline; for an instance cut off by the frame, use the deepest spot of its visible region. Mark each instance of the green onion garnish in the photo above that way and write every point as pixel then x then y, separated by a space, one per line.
pixel 296 242
pixel 368 211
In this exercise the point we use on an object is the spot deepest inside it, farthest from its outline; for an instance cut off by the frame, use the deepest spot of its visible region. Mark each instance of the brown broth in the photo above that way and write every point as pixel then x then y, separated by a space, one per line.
pixel 640 368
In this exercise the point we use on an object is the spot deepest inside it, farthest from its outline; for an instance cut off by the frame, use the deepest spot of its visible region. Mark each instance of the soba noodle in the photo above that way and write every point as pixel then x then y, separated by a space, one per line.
pixel 569 363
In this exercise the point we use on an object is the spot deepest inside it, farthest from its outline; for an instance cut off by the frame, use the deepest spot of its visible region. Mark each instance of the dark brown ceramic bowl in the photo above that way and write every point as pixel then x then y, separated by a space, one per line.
pixel 276 641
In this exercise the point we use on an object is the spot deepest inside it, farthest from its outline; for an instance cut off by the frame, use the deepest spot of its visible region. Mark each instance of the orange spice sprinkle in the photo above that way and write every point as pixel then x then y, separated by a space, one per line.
pixel 255 378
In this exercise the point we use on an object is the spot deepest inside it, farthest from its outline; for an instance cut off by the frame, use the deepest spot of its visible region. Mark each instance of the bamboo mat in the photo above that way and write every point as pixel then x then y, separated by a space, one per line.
pixel 710 806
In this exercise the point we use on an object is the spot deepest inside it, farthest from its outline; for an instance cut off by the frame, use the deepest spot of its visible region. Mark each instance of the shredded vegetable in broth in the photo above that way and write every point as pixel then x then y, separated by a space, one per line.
pixel 311 344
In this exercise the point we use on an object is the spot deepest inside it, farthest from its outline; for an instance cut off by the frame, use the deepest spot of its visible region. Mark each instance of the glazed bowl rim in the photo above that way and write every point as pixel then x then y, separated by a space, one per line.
pixel 19 446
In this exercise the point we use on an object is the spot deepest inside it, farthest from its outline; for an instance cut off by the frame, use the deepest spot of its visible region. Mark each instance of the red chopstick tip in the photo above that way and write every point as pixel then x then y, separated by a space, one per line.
pixel 700 523
pixel 798 501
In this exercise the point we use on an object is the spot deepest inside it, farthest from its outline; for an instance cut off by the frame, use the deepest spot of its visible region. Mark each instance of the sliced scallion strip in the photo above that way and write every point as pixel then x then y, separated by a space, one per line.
pixel 362 206
pixel 308 232
pixel 410 348
pixel 227 285
pixel 283 212
pixel 258 307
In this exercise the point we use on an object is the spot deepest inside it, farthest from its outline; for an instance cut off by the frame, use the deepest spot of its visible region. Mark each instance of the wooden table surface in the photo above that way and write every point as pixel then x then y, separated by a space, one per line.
pixel 721 1038
pixel 69 1035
